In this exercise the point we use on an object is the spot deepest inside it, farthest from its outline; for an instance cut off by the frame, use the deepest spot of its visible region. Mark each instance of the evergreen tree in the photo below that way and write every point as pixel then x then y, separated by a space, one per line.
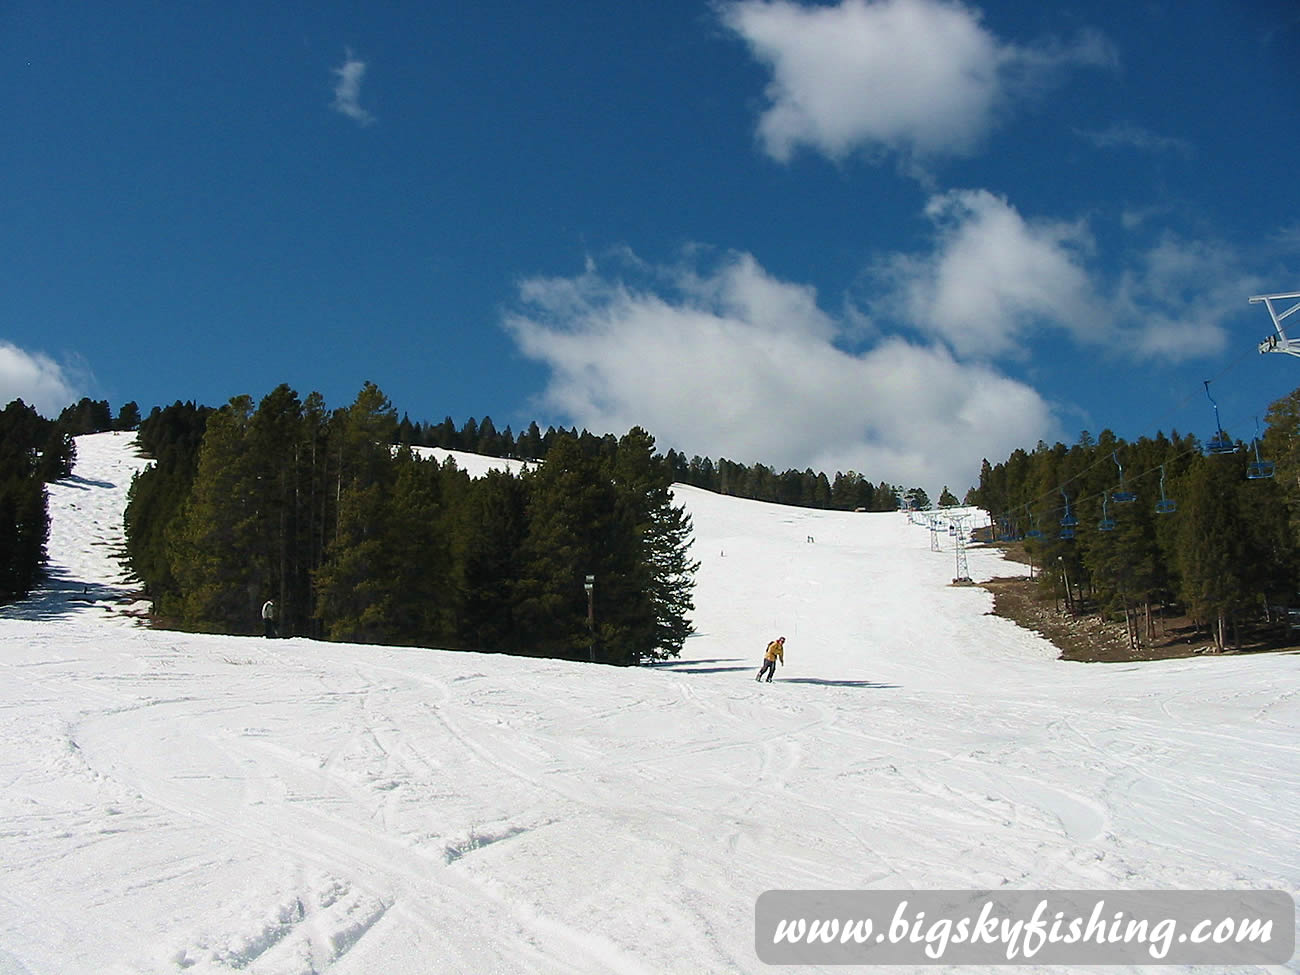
pixel 490 529
pixel 573 531
pixel 24 513
pixel 355 588
pixel 1123 565
pixel 443 435
pixel 407 433
pixel 171 437
pixel 1212 545
pixel 884 498
pixel 128 417
pixel 418 534
pixel 216 554
pixel 489 441
pixel 86 416
pixel 917 498
pixel 274 445
pixel 319 463
pixel 57 456
pixel 530 442
pixel 24 532
pixel 655 615
pixel 33 450
pixel 388 576
pixel 363 436
pixel 467 439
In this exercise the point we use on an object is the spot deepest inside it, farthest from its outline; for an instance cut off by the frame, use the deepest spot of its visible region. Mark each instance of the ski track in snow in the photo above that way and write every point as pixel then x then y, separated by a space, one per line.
pixel 183 803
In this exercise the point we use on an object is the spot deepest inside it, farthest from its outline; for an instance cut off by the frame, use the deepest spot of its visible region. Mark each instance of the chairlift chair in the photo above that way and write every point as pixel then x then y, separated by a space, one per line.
pixel 1259 470
pixel 1107 523
pixel 1220 443
pixel 1068 522
pixel 1033 525
pixel 1123 495
pixel 1165 506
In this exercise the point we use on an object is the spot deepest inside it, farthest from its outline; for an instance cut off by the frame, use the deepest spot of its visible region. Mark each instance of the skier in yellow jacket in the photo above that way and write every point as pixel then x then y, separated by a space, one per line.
pixel 775 652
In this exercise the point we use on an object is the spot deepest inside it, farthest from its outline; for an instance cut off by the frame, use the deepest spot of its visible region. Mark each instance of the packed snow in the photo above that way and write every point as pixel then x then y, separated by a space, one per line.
pixel 186 803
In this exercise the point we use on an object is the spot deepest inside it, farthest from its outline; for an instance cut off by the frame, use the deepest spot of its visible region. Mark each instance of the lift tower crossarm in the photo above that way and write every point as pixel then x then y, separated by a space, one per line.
pixel 1279 342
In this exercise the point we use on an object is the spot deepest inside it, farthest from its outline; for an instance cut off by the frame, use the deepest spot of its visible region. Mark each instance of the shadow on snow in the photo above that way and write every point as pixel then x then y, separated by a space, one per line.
pixel 58 596
pixel 691 667
pixel 83 483
pixel 826 682
pixel 692 663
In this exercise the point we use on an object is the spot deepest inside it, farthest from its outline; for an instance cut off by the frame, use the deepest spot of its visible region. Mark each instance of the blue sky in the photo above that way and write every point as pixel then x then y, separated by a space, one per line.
pixel 894 236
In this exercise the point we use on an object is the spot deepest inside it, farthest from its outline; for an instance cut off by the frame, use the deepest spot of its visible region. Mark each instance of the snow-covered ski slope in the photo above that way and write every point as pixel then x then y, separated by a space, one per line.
pixel 182 803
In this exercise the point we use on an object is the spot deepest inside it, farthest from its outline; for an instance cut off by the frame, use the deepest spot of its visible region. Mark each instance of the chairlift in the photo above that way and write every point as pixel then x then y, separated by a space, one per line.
pixel 1069 522
pixel 1033 525
pixel 1259 470
pixel 1165 506
pixel 1107 523
pixel 1123 495
pixel 1220 443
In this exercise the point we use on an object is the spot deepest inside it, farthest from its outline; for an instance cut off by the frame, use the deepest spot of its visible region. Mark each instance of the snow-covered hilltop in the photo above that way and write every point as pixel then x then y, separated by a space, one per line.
pixel 176 802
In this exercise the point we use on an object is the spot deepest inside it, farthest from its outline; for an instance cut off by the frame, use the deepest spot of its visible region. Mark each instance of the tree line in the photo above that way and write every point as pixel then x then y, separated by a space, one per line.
pixel 358 537
pixel 1140 529
pixel 848 491
pixel 33 452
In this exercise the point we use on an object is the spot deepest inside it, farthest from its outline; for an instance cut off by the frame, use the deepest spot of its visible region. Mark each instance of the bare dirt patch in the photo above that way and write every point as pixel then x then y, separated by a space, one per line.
pixel 1091 638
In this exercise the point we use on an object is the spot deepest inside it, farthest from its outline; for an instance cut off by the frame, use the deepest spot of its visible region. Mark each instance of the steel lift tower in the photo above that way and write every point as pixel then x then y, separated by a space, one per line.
pixel 1279 342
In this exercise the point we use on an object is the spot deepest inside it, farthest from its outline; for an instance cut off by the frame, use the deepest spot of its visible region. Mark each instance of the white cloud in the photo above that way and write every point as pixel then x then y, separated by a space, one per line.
pixel 1126 135
pixel 347 90
pixel 994 278
pixel 993 281
pixel 919 77
pixel 730 361
pixel 1288 237
pixel 1178 295
pixel 36 379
